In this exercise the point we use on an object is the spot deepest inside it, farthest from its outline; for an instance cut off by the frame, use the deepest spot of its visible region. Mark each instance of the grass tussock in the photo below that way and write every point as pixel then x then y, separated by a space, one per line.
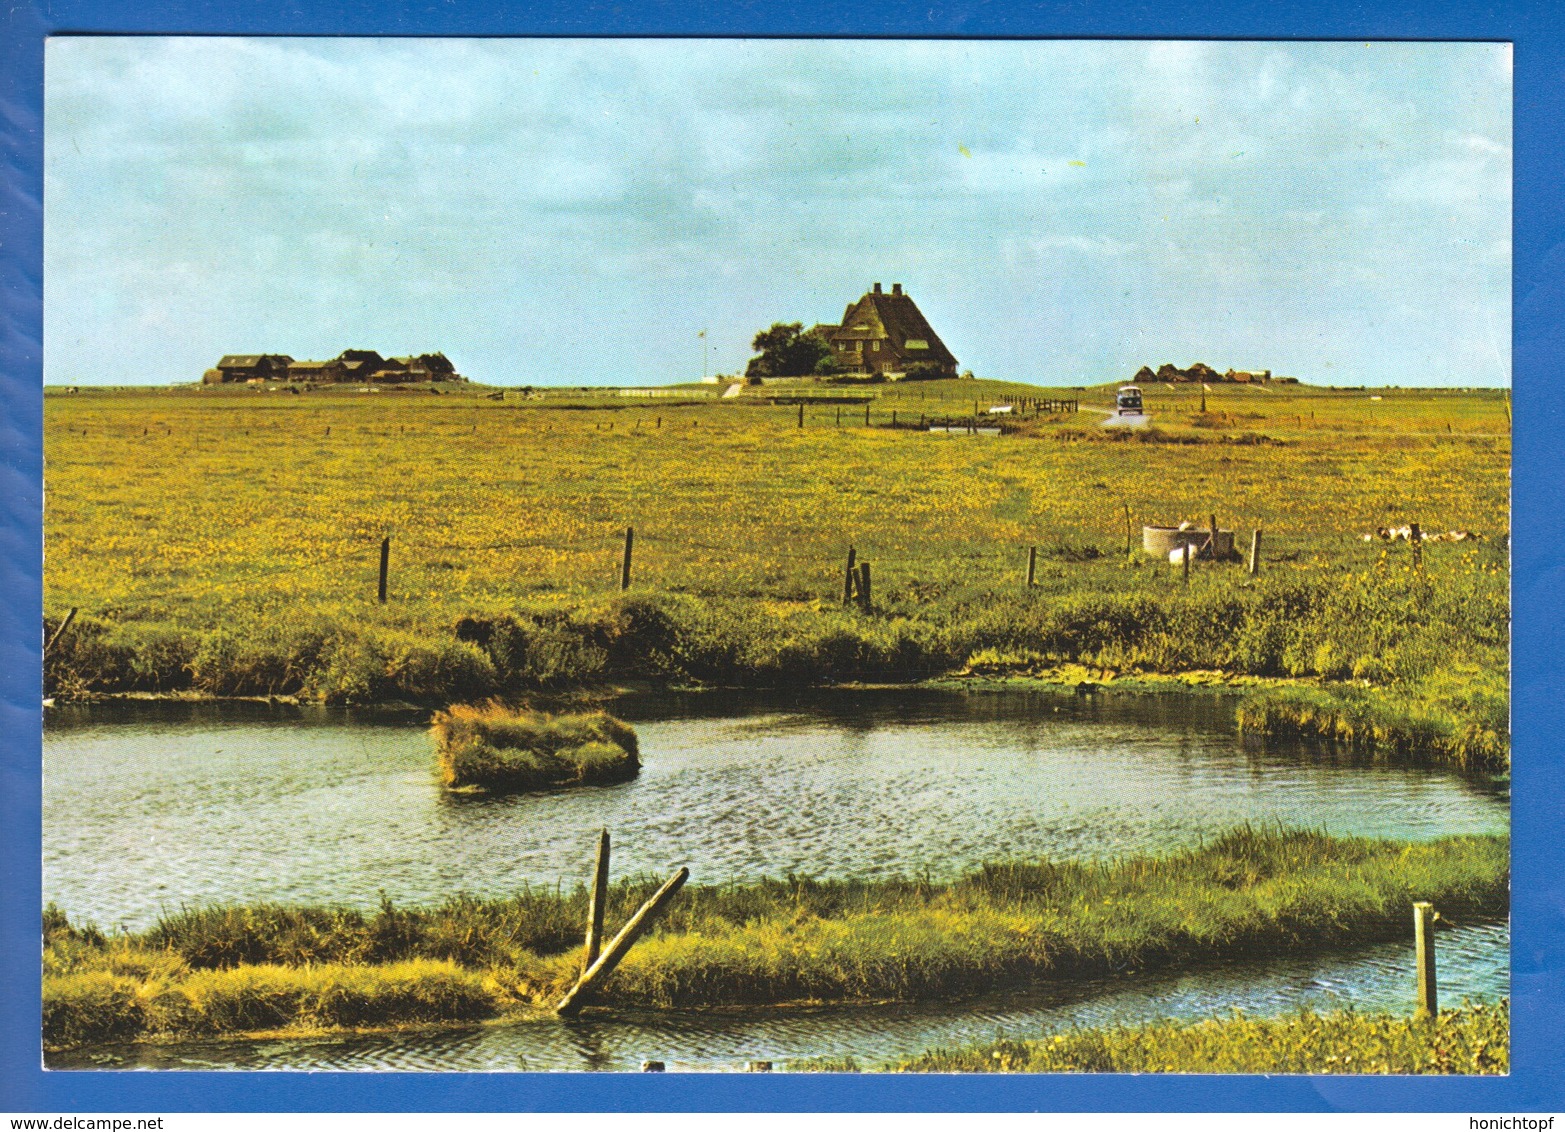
pixel 495 748
pixel 1474 1039
pixel 1248 893
pixel 1460 718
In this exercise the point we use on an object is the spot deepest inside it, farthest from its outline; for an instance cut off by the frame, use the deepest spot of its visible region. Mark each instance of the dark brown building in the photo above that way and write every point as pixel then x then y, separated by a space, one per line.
pixel 249 367
pixel 886 334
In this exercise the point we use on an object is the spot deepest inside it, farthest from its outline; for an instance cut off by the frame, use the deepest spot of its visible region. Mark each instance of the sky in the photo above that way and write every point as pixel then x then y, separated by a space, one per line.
pixel 579 212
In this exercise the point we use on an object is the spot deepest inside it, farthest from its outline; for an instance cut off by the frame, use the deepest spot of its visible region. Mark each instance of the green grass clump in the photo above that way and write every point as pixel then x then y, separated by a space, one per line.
pixel 100 1005
pixel 1473 1040
pixel 1459 717
pixel 1249 893
pixel 495 748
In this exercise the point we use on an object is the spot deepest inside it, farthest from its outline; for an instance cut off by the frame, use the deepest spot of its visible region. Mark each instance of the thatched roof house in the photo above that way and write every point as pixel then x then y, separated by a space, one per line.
pixel 248 367
pixel 884 333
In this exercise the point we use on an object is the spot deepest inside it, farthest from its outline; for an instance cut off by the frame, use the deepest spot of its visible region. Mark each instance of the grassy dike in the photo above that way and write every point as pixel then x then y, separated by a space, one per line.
pixel 1474 1039
pixel 1248 893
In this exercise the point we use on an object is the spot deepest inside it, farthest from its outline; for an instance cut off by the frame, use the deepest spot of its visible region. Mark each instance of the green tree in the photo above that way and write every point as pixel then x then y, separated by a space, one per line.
pixel 787 350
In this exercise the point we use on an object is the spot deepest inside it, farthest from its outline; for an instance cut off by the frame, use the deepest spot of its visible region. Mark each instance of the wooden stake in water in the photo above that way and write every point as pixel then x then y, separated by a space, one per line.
pixel 595 903
pixel 620 944
pixel 1255 552
pixel 624 568
pixel 1424 945
pixel 385 565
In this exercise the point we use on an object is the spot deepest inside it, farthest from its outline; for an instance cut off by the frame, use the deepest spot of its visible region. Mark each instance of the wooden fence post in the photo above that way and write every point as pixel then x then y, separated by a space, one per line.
pixel 847 584
pixel 801 414
pixel 1212 538
pixel 864 591
pixel 866 414
pixel 1424 946
pixel 595 903
pixel 59 631
pixel 620 944
pixel 624 568
pixel 1415 539
pixel 839 416
pixel 1186 558
pixel 1032 565
pixel 385 564
pixel 1126 506
pixel 893 418
pixel 1255 552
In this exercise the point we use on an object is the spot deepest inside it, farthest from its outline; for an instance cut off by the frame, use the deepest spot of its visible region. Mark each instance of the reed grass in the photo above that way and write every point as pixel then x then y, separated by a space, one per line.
pixel 1248 893
pixel 499 749
pixel 1474 1039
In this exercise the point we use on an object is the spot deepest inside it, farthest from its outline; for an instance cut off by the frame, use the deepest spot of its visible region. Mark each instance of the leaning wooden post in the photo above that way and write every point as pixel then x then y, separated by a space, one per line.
pixel 864 592
pixel 1424 945
pixel 1255 552
pixel 624 566
pixel 847 583
pixel 385 563
pixel 1032 565
pixel 60 631
pixel 595 903
pixel 1186 558
pixel 620 944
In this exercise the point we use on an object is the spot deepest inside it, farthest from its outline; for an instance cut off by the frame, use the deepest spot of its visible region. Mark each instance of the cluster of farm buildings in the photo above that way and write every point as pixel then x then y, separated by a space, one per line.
pixel 348 366
pixel 1204 373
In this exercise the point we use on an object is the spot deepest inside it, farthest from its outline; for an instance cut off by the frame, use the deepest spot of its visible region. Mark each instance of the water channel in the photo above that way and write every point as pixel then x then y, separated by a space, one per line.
pixel 150 807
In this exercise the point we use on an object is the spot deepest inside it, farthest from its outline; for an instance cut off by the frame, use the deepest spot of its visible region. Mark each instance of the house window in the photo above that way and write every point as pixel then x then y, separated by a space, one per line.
pixel 875 345
pixel 916 344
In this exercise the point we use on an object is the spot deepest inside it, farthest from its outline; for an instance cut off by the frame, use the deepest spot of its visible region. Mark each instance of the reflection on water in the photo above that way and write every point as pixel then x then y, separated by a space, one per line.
pixel 1473 963
pixel 153 807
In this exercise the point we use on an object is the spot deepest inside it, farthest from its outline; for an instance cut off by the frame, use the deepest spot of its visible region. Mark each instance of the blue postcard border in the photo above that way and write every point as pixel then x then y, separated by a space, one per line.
pixel 1537 29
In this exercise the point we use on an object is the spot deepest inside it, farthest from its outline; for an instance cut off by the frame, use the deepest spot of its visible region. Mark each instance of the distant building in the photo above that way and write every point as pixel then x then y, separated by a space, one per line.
pixel 349 366
pixel 886 334
pixel 1201 372
pixel 249 367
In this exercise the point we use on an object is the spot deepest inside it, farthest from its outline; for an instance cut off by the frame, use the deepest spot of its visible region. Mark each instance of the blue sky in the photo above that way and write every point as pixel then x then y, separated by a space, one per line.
pixel 577 211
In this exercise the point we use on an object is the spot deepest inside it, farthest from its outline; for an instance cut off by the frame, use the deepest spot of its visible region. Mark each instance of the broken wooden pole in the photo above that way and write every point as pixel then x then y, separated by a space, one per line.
pixel 624 566
pixel 1255 552
pixel 1424 946
pixel 620 944
pixel 60 631
pixel 1032 565
pixel 385 564
pixel 596 901
pixel 847 584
